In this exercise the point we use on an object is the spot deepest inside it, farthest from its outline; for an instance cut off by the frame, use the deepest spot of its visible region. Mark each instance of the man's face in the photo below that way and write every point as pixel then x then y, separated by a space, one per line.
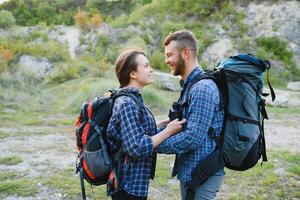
pixel 174 59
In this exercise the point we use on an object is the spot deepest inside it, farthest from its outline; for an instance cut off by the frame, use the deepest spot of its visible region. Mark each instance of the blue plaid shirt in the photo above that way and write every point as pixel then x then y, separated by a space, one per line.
pixel 193 144
pixel 133 134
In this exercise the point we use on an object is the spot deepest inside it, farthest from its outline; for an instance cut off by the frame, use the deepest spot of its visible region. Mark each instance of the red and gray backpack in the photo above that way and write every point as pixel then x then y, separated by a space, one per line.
pixel 95 163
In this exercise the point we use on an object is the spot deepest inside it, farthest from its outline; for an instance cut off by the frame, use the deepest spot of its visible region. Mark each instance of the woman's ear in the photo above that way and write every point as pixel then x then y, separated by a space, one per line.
pixel 132 75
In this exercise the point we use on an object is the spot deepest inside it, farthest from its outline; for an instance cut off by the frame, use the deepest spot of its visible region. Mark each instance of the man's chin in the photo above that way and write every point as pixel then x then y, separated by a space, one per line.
pixel 175 73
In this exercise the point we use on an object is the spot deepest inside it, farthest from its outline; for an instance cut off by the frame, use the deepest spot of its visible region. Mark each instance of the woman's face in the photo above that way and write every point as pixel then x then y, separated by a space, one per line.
pixel 143 73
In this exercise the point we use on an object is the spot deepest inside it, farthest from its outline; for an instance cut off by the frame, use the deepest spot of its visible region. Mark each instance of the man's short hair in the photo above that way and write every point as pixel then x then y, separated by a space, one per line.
pixel 184 39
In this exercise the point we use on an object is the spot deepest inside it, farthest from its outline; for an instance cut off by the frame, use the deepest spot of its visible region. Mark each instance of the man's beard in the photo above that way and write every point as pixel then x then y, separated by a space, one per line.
pixel 179 67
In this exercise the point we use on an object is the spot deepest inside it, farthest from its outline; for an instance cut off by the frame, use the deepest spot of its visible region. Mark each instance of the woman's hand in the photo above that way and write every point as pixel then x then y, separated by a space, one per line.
pixel 174 126
pixel 163 123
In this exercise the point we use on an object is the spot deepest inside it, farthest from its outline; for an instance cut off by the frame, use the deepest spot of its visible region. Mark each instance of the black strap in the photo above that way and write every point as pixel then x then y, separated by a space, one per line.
pixel 99 131
pixel 154 156
pixel 190 192
pixel 153 166
pixel 264 150
pixel 243 119
pixel 262 109
pixel 82 184
pixel 116 94
pixel 271 88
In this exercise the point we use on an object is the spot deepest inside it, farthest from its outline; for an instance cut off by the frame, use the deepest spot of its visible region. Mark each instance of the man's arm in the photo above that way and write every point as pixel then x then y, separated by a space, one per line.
pixel 201 106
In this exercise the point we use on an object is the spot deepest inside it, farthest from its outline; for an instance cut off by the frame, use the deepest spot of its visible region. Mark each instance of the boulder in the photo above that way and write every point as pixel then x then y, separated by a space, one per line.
pixel 280 101
pixel 217 51
pixel 294 86
pixel 166 81
pixel 37 67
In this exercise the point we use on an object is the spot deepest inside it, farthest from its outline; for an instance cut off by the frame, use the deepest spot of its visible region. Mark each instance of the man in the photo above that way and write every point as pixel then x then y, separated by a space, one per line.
pixel 202 111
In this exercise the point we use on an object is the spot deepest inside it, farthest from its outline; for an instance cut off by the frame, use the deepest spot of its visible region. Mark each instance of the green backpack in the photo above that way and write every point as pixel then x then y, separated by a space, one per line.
pixel 242 142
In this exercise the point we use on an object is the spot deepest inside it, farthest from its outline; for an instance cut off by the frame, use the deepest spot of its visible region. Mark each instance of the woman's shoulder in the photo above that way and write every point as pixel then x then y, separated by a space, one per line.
pixel 124 101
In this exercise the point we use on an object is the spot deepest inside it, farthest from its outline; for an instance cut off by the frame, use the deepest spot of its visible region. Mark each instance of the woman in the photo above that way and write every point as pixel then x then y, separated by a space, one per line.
pixel 135 131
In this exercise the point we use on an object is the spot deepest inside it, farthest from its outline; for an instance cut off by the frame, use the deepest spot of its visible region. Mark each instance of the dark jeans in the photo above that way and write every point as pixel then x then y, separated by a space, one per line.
pixel 122 195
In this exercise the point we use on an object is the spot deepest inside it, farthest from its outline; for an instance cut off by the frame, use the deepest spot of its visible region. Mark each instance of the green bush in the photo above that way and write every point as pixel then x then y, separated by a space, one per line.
pixel 6 19
pixel 37 34
pixel 67 71
pixel 278 48
pixel 23 15
pixel 45 12
pixel 3 66
pixel 170 26
pixel 136 42
pixel 157 61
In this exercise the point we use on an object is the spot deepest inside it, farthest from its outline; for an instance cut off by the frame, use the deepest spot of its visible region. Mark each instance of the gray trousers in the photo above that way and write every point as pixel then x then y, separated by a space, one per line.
pixel 206 191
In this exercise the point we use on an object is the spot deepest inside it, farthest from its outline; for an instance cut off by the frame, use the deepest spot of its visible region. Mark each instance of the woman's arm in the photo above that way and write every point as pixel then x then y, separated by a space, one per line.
pixel 172 128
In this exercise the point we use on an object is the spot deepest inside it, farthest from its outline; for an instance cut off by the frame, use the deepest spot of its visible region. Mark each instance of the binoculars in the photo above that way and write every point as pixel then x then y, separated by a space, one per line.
pixel 175 111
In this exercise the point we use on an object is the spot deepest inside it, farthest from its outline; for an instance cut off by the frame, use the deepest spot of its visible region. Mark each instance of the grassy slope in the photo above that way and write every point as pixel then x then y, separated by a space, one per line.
pixel 57 106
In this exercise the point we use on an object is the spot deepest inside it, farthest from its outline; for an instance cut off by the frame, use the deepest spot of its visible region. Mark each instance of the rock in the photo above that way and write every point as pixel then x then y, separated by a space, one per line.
pixel 217 51
pixel 280 101
pixel 81 50
pixel 294 86
pixel 166 81
pixel 165 84
pixel 66 35
pixel 38 67
pixel 280 19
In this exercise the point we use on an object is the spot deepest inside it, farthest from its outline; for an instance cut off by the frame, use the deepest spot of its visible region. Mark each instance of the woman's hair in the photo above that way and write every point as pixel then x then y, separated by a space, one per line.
pixel 125 64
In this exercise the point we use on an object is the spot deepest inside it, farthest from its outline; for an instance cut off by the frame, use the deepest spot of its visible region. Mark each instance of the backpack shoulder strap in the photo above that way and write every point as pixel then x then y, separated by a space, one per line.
pixel 206 75
pixel 116 94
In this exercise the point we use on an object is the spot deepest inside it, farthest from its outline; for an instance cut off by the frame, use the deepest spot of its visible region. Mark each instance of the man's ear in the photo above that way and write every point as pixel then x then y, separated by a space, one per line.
pixel 186 53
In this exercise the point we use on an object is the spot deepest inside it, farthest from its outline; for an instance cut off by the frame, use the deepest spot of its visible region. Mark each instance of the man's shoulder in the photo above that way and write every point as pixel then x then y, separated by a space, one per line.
pixel 205 85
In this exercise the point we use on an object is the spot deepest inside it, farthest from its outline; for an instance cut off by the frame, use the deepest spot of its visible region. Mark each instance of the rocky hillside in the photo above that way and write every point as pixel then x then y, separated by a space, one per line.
pixel 269 29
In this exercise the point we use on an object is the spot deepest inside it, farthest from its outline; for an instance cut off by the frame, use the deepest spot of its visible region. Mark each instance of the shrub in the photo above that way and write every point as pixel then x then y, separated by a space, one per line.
pixel 157 61
pixel 3 66
pixel 64 72
pixel 45 12
pixel 23 15
pixel 137 42
pixel 169 26
pixel 98 68
pixel 96 21
pixel 6 19
pixel 6 54
pixel 278 48
pixel 81 20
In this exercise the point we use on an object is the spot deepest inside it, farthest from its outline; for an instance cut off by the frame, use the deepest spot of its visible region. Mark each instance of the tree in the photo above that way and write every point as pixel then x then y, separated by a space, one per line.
pixel 6 19
pixel 45 12
pixel 23 15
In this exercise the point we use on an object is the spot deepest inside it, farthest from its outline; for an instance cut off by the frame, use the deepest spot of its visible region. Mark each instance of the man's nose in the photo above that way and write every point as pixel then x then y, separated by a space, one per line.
pixel 167 61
